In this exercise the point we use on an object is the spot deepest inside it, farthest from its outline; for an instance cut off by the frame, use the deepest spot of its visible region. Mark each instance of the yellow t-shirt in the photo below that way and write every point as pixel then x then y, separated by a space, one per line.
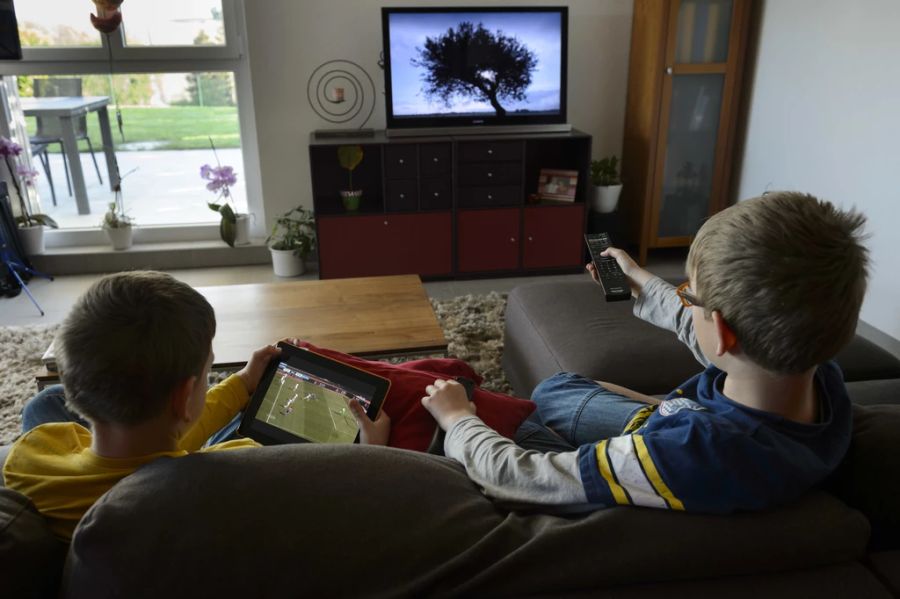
pixel 53 464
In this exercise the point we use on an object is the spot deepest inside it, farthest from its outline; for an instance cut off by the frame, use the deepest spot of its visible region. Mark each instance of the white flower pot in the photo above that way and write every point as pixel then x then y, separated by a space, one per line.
pixel 120 237
pixel 286 264
pixel 606 197
pixel 32 239
pixel 242 229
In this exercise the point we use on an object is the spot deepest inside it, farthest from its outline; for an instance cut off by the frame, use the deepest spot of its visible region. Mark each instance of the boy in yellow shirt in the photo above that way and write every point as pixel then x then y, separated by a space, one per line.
pixel 134 353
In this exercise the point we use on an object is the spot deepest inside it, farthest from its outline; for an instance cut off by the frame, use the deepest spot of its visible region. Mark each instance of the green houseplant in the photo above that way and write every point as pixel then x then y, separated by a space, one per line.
pixel 607 184
pixel 31 225
pixel 293 237
pixel 349 158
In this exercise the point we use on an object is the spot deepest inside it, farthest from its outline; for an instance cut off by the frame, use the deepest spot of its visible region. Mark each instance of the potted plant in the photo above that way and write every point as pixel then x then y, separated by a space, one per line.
pixel 349 157
pixel 607 185
pixel 234 228
pixel 117 225
pixel 31 226
pixel 293 238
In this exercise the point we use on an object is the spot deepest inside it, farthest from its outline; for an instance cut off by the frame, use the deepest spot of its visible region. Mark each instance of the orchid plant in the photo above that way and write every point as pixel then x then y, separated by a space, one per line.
pixel 220 180
pixel 10 151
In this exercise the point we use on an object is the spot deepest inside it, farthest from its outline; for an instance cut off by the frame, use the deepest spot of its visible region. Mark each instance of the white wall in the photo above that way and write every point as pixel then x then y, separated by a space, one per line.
pixel 825 119
pixel 288 39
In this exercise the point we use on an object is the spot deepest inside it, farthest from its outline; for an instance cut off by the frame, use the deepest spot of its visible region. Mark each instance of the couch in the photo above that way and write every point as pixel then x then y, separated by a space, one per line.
pixel 323 520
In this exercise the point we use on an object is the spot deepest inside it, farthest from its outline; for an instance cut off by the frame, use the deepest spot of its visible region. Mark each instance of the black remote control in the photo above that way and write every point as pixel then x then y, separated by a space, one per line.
pixel 436 447
pixel 612 279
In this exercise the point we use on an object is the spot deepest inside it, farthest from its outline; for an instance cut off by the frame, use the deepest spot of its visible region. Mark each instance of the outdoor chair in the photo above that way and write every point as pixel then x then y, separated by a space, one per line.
pixel 47 129
pixel 39 151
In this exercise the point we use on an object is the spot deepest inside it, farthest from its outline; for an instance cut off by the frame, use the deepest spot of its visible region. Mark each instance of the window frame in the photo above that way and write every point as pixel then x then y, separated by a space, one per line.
pixel 230 57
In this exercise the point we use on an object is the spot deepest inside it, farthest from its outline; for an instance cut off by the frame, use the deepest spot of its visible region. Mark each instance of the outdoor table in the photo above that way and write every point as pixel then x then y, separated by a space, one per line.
pixel 66 109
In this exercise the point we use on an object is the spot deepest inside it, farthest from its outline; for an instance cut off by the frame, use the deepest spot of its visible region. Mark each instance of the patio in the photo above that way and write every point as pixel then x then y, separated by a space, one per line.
pixel 160 187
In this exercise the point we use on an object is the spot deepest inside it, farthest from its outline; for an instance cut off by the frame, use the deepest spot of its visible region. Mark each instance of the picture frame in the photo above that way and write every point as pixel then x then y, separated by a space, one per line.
pixel 557 184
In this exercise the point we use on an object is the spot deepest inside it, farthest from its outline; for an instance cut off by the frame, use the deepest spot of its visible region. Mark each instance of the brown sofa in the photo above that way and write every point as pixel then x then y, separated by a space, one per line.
pixel 368 521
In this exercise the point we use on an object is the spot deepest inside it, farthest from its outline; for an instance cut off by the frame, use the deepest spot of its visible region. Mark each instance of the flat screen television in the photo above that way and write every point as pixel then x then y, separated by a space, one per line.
pixel 474 67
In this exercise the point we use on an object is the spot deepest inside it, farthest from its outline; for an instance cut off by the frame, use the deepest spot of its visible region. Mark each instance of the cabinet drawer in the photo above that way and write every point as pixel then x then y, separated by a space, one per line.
pixel 490 174
pixel 484 197
pixel 489 151
pixel 434 160
pixel 400 161
pixel 436 195
pixel 401 195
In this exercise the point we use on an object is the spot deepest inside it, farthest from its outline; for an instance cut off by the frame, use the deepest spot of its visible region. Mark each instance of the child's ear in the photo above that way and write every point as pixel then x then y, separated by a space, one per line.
pixel 181 399
pixel 726 340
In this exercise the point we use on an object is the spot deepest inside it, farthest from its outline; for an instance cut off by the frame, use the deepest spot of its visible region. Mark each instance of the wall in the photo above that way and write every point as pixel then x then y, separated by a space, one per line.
pixel 288 39
pixel 824 118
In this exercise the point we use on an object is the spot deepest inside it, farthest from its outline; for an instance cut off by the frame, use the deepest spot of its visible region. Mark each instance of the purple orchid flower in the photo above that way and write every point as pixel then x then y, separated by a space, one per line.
pixel 27 174
pixel 220 178
pixel 9 148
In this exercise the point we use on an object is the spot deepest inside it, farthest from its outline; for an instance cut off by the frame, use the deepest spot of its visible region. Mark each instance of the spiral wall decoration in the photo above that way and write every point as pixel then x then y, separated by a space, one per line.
pixel 341 92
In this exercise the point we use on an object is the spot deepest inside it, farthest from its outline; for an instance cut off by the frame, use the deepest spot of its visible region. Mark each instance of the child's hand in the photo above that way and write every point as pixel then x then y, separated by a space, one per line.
pixel 447 402
pixel 256 366
pixel 371 433
pixel 636 275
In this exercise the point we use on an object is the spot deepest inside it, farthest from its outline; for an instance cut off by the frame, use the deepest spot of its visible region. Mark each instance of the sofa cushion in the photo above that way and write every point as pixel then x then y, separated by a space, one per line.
pixel 886 565
pixel 868 477
pixel 31 558
pixel 412 427
pixel 567 325
pixel 324 520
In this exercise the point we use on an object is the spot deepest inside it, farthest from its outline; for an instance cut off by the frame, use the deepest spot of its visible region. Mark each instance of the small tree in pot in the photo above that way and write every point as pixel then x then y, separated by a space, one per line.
pixel 349 157
pixel 293 238
pixel 607 185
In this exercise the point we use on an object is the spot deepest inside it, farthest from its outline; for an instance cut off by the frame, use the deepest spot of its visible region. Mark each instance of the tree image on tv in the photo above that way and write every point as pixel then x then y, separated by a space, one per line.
pixel 473 62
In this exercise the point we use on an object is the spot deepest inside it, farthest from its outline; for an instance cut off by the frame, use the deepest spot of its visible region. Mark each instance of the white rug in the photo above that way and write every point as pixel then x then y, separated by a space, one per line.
pixel 473 325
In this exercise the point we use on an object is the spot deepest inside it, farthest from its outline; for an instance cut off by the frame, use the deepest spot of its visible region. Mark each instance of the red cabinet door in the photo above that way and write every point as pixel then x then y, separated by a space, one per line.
pixel 373 245
pixel 487 240
pixel 553 236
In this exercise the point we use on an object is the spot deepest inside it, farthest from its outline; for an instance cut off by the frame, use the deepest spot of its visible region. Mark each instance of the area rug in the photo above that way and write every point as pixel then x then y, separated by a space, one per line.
pixel 473 325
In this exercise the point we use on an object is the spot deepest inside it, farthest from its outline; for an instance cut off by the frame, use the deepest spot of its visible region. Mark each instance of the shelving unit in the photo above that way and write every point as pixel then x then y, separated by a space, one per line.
pixel 444 207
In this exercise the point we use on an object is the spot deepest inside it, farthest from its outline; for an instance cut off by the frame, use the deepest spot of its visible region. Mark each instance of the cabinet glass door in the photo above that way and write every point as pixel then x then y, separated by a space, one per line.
pixel 703 27
pixel 690 153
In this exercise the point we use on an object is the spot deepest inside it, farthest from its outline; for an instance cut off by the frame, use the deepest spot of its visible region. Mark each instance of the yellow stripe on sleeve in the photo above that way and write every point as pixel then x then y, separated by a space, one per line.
pixel 653 474
pixel 606 472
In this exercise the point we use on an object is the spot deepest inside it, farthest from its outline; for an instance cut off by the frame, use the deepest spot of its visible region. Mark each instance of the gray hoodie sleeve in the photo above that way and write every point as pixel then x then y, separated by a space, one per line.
pixel 659 305
pixel 510 473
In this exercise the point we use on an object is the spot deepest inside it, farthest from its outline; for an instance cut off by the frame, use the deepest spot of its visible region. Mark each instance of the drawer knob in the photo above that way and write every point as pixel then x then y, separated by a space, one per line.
pixel 437 194
pixel 490 175
pixel 490 196
pixel 490 152
pixel 512 239
pixel 385 223
pixel 436 160
pixel 530 238
pixel 402 195
pixel 400 161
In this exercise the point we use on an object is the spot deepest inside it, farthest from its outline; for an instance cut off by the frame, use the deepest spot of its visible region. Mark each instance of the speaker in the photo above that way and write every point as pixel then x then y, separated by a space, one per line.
pixel 10 47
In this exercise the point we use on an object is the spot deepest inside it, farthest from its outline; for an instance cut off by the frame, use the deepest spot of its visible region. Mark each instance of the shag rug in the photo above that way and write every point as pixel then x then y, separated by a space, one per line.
pixel 473 325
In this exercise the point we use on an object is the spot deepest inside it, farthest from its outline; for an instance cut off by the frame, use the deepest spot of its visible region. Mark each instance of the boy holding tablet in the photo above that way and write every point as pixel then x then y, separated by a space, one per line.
pixel 135 352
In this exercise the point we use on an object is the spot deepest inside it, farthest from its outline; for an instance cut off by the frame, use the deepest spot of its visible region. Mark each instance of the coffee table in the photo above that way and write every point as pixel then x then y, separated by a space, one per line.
pixel 366 316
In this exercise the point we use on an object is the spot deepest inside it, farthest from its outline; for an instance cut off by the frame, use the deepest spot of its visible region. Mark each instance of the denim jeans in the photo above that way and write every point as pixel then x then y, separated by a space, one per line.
pixel 50 406
pixel 577 411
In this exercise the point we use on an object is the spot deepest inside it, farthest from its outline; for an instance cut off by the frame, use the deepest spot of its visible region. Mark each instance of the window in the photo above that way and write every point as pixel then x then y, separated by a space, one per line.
pixel 179 79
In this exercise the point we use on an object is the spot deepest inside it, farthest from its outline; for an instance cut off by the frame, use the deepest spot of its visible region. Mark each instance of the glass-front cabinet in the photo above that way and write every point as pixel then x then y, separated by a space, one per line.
pixel 681 116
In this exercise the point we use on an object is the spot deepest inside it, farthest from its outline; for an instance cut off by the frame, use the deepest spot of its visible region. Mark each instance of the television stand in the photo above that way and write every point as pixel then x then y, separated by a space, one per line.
pixel 497 130
pixel 450 206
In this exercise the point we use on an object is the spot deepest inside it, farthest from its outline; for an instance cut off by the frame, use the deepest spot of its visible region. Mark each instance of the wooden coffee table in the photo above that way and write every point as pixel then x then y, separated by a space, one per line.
pixel 368 316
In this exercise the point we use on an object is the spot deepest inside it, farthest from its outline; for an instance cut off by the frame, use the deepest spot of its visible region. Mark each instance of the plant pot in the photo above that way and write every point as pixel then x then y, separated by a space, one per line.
pixel 242 229
pixel 32 239
pixel 286 264
pixel 606 197
pixel 120 237
pixel 351 199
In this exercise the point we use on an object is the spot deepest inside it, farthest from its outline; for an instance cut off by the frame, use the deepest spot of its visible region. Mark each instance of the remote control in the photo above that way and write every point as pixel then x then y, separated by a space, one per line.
pixel 612 279
pixel 436 447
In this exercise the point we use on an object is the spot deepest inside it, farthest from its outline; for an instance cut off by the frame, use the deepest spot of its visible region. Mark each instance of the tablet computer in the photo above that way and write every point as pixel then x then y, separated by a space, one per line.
pixel 303 397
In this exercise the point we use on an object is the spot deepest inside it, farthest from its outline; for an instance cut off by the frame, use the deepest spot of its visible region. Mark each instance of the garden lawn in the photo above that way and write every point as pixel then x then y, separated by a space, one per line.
pixel 167 128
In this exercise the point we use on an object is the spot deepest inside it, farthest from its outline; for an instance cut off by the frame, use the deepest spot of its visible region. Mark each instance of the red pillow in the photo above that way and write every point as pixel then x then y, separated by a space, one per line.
pixel 411 425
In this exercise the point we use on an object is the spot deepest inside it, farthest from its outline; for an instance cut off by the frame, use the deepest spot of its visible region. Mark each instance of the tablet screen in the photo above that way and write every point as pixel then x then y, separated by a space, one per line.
pixel 304 397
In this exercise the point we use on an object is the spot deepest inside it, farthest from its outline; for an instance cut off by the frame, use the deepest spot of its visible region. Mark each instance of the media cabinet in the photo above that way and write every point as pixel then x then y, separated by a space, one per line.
pixel 450 206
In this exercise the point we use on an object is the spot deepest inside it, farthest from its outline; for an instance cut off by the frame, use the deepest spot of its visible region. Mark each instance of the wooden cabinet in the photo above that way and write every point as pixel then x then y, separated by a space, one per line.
pixel 685 73
pixel 447 206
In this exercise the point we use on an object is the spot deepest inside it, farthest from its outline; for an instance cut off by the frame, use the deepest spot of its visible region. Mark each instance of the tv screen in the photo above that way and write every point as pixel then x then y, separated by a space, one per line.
pixel 475 66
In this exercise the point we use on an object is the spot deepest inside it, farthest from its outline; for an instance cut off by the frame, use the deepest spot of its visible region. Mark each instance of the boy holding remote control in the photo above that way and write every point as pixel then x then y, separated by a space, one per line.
pixel 774 292
pixel 135 352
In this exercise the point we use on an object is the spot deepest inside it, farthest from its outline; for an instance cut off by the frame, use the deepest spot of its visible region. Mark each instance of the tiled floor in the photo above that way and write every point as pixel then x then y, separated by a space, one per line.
pixel 56 297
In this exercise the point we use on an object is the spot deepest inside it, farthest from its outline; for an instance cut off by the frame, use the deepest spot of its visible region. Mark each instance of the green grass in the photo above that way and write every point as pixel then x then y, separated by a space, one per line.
pixel 173 128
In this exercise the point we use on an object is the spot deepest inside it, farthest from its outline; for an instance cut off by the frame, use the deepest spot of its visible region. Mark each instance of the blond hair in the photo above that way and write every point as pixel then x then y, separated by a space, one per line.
pixel 788 274
pixel 128 341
